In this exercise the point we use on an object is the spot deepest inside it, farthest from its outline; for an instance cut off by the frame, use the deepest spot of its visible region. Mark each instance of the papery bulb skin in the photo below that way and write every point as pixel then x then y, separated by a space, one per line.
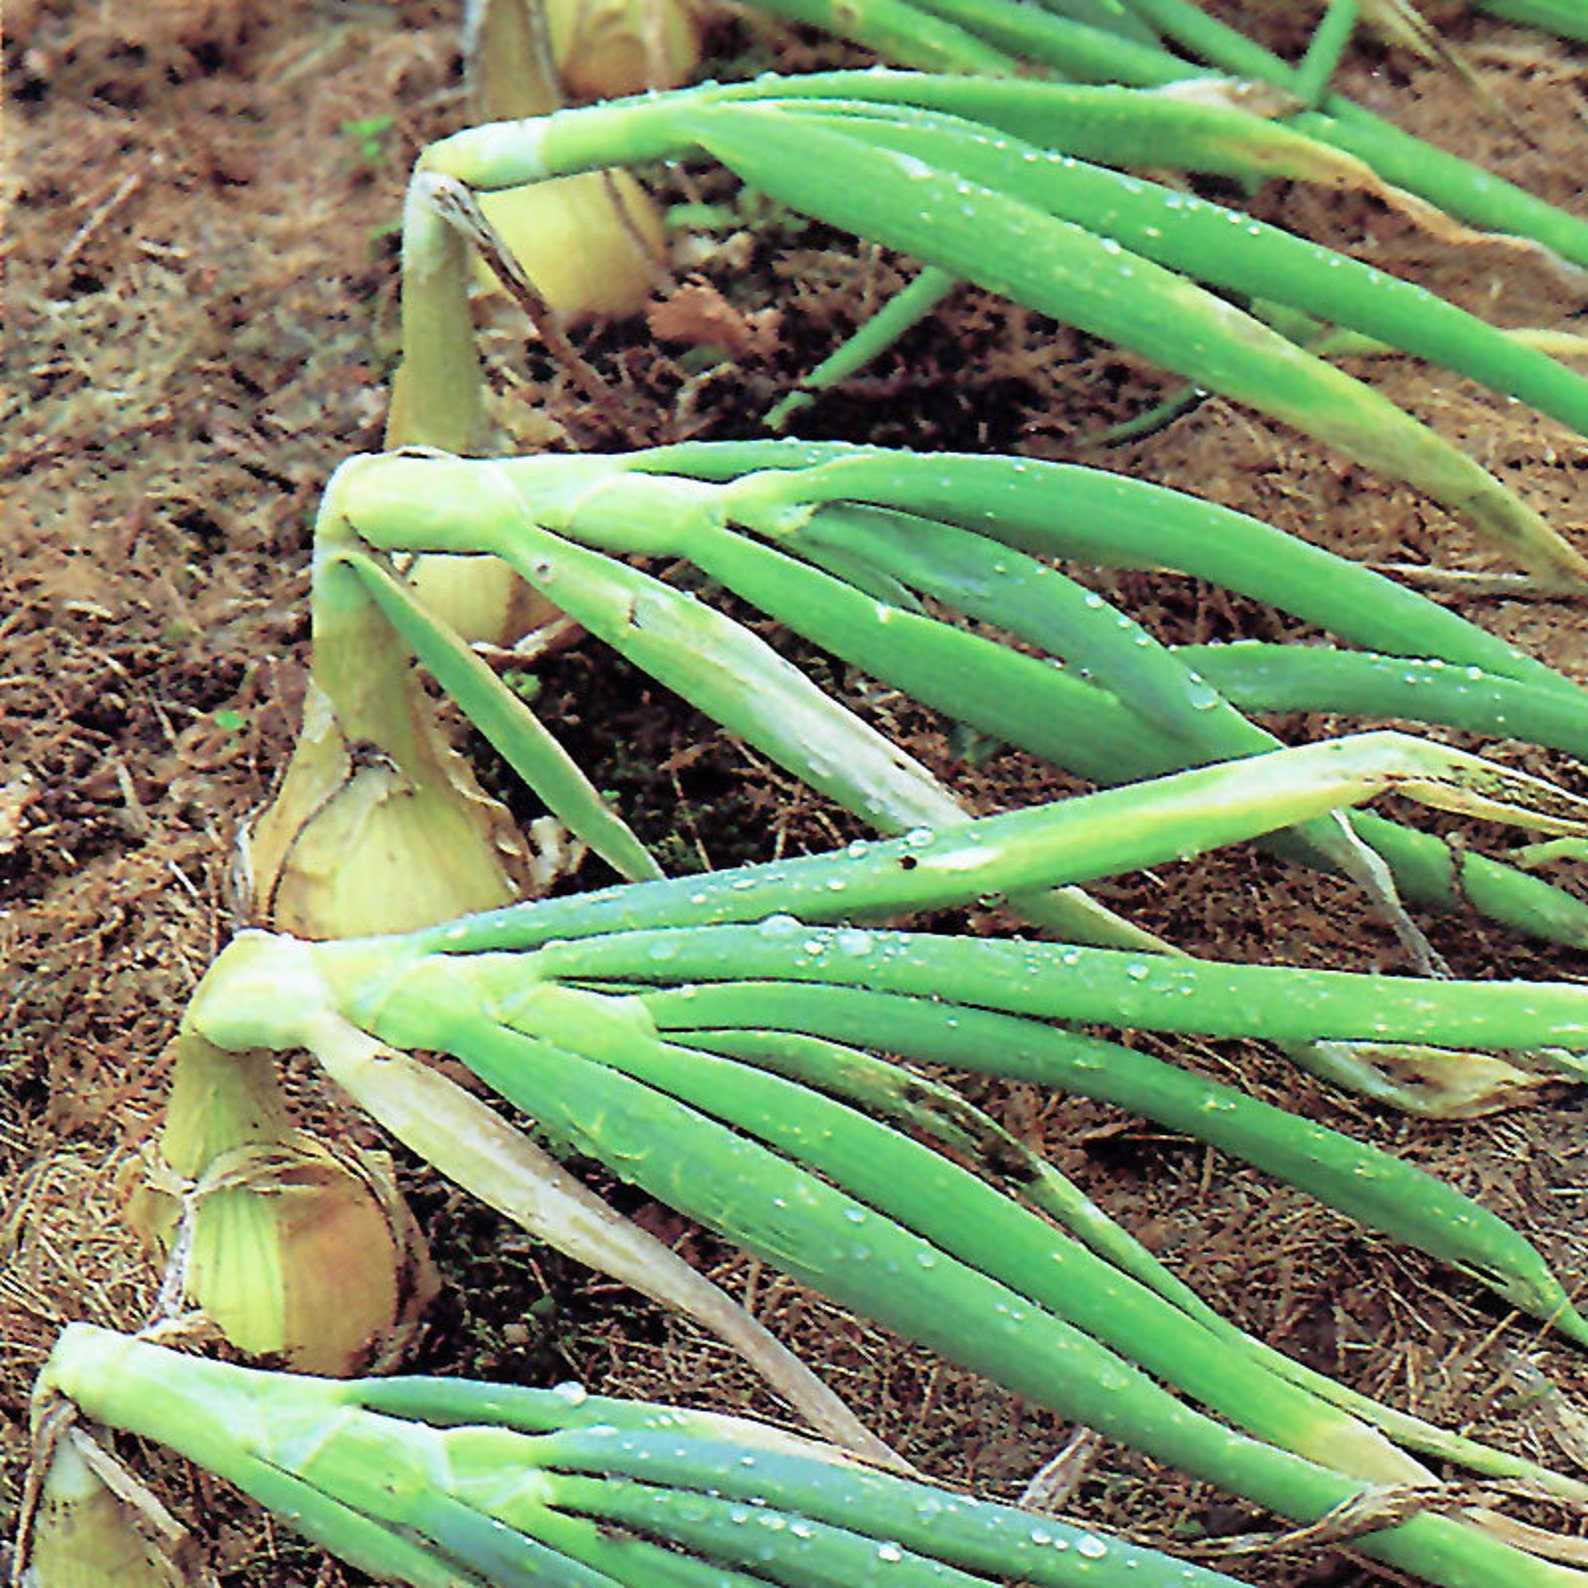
pixel 605 49
pixel 354 844
pixel 301 1254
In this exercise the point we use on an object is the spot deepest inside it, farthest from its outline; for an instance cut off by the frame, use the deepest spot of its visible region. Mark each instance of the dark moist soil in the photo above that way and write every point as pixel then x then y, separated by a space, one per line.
pixel 201 304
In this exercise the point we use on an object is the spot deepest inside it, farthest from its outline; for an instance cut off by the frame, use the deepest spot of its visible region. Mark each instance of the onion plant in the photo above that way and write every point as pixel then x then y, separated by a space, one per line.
pixel 715 1040
pixel 847 546
pixel 451 1483
pixel 998 182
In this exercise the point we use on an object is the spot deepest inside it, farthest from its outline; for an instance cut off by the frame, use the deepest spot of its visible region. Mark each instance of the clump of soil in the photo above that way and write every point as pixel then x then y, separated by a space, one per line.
pixel 202 299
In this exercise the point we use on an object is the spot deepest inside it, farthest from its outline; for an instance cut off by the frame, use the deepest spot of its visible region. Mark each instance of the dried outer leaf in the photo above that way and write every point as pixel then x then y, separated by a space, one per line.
pixel 1445 1083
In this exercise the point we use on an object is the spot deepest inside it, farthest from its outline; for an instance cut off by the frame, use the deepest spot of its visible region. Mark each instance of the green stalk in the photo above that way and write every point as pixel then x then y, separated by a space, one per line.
pixel 1094 55
pixel 1053 981
pixel 1456 186
pixel 1023 34
pixel 1099 728
pixel 407 502
pixel 1065 510
pixel 1003 242
pixel 984 684
pixel 904 310
pixel 1112 16
pixel 900 31
pixel 980 1535
pixel 1188 234
pixel 1436 873
pixel 808 1554
pixel 1370 1186
pixel 1324 50
pixel 1564 17
pixel 1091 731
pixel 1020 851
pixel 933 1112
pixel 1099 742
pixel 1284 678
pixel 950 565
pixel 1110 125
pixel 1068 46
pixel 532 1540
pixel 713 662
pixel 1032 32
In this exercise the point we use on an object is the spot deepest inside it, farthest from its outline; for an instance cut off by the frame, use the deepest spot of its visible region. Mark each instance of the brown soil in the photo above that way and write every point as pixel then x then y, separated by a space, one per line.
pixel 201 306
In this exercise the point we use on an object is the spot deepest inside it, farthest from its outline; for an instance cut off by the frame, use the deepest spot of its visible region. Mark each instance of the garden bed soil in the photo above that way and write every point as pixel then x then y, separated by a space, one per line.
pixel 201 308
